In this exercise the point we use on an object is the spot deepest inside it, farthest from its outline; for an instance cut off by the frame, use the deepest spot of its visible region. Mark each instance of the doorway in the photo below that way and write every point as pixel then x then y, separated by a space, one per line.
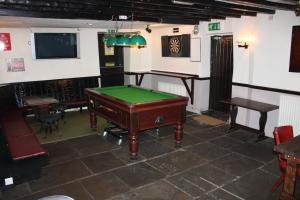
pixel 111 64
pixel 220 72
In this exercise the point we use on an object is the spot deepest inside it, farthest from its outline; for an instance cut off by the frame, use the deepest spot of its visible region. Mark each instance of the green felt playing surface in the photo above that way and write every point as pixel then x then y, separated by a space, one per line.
pixel 133 94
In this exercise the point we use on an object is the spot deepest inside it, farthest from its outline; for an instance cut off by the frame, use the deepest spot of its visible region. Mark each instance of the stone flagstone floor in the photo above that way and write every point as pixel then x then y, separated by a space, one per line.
pixel 210 165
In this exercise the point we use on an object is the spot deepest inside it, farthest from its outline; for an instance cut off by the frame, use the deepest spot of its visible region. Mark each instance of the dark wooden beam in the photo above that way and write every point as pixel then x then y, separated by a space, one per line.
pixel 264 4
pixel 163 6
pixel 203 4
pixel 143 10
pixel 170 12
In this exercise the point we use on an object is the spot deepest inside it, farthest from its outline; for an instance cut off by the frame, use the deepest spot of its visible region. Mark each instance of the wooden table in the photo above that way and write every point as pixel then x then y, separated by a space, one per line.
pixel 291 152
pixel 261 107
pixel 39 101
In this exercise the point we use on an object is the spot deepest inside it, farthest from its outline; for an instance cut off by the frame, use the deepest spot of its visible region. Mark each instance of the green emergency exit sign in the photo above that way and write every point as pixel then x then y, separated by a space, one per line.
pixel 214 26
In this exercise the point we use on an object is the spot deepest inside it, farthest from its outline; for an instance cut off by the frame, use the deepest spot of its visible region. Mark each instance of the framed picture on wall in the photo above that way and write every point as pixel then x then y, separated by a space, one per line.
pixel 295 50
pixel 196 49
pixel 15 65
pixel 176 45
pixel 109 51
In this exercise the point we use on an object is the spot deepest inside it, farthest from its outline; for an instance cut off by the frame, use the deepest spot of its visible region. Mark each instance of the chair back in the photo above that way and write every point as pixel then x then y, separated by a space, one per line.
pixel 283 133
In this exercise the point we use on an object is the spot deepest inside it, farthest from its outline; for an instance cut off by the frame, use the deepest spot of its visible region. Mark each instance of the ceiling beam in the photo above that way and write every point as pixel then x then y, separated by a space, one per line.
pixel 262 3
pixel 203 4
pixel 149 10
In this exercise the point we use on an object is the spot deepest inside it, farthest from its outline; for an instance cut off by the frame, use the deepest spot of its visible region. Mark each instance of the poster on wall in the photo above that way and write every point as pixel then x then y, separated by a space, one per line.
pixel 15 65
pixel 109 51
pixel 5 42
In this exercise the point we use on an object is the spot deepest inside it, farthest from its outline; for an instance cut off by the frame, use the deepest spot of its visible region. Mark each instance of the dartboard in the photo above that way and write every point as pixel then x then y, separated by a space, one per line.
pixel 174 45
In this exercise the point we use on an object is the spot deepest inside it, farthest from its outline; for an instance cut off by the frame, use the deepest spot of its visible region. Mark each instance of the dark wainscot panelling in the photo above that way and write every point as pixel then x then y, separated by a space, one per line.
pixel 68 91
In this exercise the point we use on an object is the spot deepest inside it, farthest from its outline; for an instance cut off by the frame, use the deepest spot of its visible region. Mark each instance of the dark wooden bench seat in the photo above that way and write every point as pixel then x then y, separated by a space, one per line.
pixel 20 140
pixel 76 102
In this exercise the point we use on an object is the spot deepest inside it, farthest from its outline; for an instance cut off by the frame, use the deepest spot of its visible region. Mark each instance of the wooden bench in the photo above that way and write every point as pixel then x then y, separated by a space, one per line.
pixel 20 140
pixel 76 103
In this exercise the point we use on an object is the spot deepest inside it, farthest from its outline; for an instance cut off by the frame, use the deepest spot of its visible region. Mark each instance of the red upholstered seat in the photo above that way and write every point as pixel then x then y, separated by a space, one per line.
pixel 25 147
pixel 282 134
pixel 16 128
pixel 21 141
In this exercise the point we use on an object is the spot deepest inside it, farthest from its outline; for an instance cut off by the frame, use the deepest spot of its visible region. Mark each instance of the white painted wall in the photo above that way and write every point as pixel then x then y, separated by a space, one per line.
pixel 173 64
pixel 136 59
pixel 265 63
pixel 45 69
pixel 269 56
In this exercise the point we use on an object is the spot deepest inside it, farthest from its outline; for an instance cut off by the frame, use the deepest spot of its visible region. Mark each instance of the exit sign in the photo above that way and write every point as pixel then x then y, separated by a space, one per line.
pixel 214 26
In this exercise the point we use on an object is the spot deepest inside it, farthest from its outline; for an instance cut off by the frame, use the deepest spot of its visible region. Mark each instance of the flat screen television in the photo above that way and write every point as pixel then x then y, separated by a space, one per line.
pixel 55 45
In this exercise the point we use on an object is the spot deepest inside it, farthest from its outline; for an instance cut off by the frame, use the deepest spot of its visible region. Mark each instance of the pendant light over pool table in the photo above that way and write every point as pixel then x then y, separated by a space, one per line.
pixel 123 40
pixel 137 41
pixel 111 41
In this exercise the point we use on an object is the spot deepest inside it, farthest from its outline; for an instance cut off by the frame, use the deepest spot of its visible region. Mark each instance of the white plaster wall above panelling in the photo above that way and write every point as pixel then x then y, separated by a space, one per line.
pixel 272 53
pixel 172 64
pixel 266 61
pixel 138 59
pixel 86 65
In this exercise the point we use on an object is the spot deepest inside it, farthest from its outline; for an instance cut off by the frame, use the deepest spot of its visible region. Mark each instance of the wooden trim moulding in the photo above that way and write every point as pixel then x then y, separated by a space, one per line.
pixel 5 84
pixel 267 88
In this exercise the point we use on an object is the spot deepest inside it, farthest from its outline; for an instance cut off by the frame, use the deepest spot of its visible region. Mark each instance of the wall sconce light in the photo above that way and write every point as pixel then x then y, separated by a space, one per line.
pixel 245 41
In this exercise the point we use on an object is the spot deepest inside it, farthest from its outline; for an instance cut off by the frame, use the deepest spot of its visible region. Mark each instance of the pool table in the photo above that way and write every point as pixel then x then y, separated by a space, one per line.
pixel 137 109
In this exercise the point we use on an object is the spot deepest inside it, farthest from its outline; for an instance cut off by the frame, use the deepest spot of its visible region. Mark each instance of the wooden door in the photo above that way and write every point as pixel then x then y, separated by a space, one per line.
pixel 220 72
pixel 111 64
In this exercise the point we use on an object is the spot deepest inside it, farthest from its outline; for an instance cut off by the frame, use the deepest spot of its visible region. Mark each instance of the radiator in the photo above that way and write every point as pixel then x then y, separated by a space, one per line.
pixel 289 112
pixel 172 88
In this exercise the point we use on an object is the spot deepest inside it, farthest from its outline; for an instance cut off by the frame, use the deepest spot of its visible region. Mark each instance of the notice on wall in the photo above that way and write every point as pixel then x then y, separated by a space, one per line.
pixel 5 41
pixel 15 65
pixel 109 51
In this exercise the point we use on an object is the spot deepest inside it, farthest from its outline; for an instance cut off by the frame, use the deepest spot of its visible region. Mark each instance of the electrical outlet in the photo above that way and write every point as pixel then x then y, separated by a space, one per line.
pixel 9 181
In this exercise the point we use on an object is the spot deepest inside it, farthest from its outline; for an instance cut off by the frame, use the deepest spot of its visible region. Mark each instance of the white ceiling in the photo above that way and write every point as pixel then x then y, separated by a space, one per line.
pixel 23 22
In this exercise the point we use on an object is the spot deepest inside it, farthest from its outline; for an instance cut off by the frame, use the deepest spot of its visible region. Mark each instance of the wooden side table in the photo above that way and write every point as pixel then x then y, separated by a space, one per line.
pixel 261 107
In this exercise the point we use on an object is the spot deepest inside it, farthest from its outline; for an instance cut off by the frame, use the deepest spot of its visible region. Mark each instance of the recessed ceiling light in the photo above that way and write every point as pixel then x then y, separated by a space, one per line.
pixel 123 17
pixel 90 24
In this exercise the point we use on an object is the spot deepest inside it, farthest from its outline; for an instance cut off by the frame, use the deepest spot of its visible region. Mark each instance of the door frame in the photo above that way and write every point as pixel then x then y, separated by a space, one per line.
pixel 212 102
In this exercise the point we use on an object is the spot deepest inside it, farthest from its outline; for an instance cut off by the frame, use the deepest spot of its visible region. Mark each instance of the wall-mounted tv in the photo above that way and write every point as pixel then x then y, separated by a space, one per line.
pixel 55 45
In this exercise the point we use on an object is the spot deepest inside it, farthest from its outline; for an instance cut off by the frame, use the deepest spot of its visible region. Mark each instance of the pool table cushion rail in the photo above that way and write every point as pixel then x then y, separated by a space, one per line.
pixel 161 97
pixel 150 114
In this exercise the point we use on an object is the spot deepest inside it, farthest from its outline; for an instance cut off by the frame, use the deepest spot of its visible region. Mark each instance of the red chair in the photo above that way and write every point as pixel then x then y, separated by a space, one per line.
pixel 282 134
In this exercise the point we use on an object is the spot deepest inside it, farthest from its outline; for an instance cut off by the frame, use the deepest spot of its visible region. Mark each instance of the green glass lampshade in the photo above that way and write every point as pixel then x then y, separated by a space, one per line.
pixel 111 41
pixel 138 40
pixel 123 41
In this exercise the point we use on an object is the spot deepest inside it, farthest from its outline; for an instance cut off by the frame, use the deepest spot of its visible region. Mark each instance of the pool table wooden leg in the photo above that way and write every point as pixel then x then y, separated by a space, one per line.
pixel 93 120
pixel 178 134
pixel 133 145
